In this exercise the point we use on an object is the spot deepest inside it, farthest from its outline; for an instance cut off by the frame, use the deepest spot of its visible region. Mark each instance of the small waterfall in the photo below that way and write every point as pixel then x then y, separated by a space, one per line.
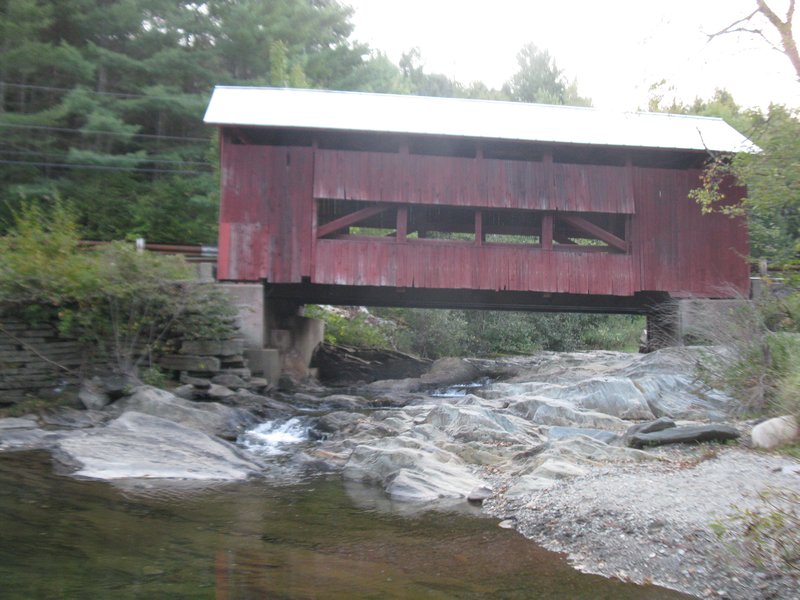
pixel 461 389
pixel 275 438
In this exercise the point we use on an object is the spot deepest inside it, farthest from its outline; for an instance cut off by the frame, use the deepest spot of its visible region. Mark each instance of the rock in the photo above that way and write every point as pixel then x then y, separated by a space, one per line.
pixel 117 385
pixel 287 384
pixel 562 415
pixel 615 396
pixel 27 439
pixel 563 433
pixel 338 423
pixel 187 392
pixel 344 402
pixel 776 432
pixel 651 426
pixel 18 423
pixel 218 392
pixel 410 469
pixel 685 435
pixel 93 394
pixel 678 396
pixel 479 494
pixel 209 417
pixel 554 468
pixel 200 383
pixel 345 365
pixel 136 445
pixel 448 371
pixel 197 364
pixel 476 423
pixel 71 418
pixel 257 384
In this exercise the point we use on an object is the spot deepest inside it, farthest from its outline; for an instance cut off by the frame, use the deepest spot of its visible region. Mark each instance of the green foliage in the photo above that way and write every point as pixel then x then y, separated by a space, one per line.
pixel 122 302
pixel 757 353
pixel 356 330
pixel 767 536
pixel 102 102
pixel 772 176
pixel 434 333
pixel 540 80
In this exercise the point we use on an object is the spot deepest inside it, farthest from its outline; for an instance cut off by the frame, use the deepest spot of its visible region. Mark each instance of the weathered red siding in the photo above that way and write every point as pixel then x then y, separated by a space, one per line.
pixel 266 213
pixel 421 179
pixel 681 250
pixel 268 224
pixel 451 265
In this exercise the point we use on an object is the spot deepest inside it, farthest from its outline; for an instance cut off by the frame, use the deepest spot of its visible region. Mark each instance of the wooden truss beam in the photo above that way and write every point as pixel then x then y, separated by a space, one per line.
pixel 590 228
pixel 351 219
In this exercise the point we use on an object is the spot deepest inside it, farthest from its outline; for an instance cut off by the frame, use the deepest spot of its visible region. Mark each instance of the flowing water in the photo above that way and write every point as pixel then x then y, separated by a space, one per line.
pixel 315 537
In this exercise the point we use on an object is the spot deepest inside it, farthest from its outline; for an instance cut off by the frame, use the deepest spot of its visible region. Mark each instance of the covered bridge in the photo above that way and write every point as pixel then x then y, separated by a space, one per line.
pixel 355 198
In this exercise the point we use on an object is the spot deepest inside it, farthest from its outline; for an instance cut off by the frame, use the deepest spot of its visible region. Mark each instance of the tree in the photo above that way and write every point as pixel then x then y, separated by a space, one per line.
pixel 540 80
pixel 101 102
pixel 773 174
pixel 763 15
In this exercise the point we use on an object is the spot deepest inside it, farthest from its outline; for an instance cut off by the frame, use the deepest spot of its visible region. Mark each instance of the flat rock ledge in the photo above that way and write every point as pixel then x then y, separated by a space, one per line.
pixel 137 445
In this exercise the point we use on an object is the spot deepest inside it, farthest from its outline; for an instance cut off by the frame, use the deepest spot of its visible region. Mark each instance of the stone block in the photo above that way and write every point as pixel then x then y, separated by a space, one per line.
pixel 212 347
pixel 186 362
pixel 280 339
pixel 265 362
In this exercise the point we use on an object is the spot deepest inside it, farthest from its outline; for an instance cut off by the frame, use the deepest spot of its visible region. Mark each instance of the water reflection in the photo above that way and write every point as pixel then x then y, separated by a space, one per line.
pixel 63 538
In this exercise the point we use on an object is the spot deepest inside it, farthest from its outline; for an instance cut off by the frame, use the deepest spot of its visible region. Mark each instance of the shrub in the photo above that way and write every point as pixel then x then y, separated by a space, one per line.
pixel 768 536
pixel 356 330
pixel 123 302
pixel 757 352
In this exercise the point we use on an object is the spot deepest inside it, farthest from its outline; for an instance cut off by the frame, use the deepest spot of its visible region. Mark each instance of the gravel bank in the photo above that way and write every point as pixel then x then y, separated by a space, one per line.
pixel 650 522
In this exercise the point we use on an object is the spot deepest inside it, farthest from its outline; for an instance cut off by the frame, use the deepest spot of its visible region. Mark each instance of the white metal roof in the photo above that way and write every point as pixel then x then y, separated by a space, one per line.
pixel 387 113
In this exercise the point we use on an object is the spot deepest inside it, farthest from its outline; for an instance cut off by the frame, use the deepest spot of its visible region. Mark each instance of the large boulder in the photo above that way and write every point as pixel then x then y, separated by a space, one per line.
pixel 137 445
pixel 209 417
pixel 678 396
pixel 615 396
pixel 776 432
pixel 545 411
pixel 449 371
pixel 411 469
pixel 477 423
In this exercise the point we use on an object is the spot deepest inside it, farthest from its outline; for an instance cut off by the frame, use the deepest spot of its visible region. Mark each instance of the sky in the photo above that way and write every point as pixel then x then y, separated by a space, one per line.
pixel 615 49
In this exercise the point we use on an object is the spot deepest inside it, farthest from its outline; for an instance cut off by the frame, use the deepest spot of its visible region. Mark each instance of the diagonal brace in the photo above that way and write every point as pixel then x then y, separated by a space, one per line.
pixel 601 234
pixel 348 220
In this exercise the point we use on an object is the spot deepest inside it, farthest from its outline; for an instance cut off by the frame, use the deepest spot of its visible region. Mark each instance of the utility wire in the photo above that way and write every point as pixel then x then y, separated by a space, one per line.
pixel 95 132
pixel 99 167
pixel 48 88
pixel 137 159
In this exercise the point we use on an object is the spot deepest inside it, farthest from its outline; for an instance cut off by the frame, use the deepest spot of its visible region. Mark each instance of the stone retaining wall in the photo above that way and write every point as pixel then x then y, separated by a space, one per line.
pixel 36 362
pixel 29 359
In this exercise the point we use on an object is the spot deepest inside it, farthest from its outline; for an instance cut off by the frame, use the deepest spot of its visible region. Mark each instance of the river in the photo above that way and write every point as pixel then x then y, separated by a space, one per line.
pixel 284 536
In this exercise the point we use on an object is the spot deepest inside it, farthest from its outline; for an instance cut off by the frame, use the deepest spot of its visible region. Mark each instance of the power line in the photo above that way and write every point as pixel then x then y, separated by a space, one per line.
pixel 95 132
pixel 28 86
pixel 98 167
pixel 145 159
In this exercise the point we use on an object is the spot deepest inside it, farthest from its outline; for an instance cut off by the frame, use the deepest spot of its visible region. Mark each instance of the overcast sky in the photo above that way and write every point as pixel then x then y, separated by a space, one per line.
pixel 616 49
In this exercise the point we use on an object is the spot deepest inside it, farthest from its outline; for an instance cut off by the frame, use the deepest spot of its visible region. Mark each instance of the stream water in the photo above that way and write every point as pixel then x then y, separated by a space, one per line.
pixel 315 537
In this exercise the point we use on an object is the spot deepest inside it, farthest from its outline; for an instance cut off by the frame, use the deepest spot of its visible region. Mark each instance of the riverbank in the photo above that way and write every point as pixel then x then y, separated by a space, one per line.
pixel 652 523
pixel 546 445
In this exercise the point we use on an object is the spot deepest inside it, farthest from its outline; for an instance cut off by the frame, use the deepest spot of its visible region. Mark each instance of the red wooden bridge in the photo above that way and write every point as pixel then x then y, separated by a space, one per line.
pixel 347 198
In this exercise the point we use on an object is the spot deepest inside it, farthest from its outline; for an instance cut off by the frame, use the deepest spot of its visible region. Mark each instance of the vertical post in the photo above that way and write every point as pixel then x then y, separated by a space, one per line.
pixel 402 224
pixel 547 231
pixel 663 326
pixel 479 237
